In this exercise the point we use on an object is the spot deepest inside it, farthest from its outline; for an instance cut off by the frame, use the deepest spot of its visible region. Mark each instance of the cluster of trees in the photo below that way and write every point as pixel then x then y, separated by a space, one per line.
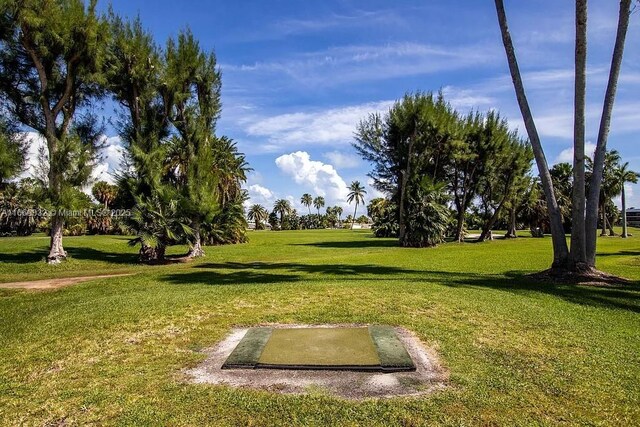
pixel 615 175
pixel 427 157
pixel 284 217
pixel 181 180
pixel 445 172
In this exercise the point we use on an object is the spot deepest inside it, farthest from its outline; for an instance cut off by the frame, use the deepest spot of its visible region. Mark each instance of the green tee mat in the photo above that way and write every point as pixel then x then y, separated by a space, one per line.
pixel 373 348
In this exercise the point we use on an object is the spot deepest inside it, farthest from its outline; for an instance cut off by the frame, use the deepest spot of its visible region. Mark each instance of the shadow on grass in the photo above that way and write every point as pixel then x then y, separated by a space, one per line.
pixel 73 252
pixel 624 297
pixel 24 257
pixel 620 253
pixel 367 243
pixel 260 273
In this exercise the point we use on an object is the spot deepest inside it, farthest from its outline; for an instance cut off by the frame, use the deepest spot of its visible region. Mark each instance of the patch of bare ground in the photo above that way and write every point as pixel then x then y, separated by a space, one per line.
pixel 584 276
pixel 56 283
pixel 428 377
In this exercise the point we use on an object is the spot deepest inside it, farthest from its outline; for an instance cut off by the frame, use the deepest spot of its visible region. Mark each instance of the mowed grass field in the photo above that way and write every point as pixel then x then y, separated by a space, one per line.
pixel 112 351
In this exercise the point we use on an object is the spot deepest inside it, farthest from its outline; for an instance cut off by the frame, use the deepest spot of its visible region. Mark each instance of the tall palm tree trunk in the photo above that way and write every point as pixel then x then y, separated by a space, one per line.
pixel 354 215
pixel 591 222
pixel 560 248
pixel 604 219
pixel 624 214
pixel 578 255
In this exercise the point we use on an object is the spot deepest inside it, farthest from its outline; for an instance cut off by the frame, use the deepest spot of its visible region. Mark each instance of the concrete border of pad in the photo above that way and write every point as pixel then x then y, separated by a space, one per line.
pixel 429 375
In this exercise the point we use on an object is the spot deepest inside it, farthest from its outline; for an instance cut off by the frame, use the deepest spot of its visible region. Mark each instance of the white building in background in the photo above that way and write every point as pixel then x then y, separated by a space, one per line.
pixel 633 217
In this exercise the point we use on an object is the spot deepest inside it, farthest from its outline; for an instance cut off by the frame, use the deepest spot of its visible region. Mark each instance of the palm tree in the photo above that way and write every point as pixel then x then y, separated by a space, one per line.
pixel 104 192
pixel 307 201
pixel 259 214
pixel 282 207
pixel 610 185
pixel 624 175
pixel 338 210
pixel 318 203
pixel 356 193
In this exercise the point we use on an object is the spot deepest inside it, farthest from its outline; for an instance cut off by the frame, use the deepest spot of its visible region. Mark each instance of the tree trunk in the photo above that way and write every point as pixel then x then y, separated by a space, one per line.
pixel 460 226
pixel 196 249
pixel 604 220
pixel 512 232
pixel 560 248
pixel 612 233
pixel 354 215
pixel 624 214
pixel 578 255
pixel 56 251
pixel 486 230
pixel 591 222
pixel 402 226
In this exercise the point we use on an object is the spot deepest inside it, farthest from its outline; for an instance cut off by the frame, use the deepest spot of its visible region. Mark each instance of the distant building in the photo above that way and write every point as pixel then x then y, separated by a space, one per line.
pixel 633 217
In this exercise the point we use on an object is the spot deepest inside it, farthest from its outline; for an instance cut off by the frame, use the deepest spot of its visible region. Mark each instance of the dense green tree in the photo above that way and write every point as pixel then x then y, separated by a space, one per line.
pixel 423 136
pixel 191 94
pixel 510 162
pixel 427 214
pixel 51 56
pixel 13 151
pixel 384 215
pixel 133 72
pixel 356 194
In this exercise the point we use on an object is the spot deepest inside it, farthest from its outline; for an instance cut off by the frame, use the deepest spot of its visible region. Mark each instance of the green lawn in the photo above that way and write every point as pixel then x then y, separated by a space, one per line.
pixel 519 353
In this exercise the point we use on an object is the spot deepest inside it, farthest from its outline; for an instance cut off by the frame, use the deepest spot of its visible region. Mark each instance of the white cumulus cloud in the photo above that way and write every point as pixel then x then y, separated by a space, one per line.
pixel 260 195
pixel 566 155
pixel 321 178
pixel 342 160
pixel 326 127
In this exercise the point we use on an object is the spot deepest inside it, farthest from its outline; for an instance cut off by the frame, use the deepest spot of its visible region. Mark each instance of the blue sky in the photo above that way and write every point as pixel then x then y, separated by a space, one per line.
pixel 298 76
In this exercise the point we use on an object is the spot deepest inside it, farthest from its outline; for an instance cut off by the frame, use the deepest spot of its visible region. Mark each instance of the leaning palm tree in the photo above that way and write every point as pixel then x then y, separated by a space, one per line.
pixel 624 175
pixel 356 193
pixel 307 201
pixel 259 214
pixel 318 203
pixel 282 207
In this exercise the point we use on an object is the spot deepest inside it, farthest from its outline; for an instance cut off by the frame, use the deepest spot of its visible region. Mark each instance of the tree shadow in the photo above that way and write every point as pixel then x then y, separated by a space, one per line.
pixel 620 253
pixel 80 253
pixel 99 255
pixel 24 257
pixel 624 297
pixel 215 278
pixel 261 273
pixel 355 244
pixel 326 269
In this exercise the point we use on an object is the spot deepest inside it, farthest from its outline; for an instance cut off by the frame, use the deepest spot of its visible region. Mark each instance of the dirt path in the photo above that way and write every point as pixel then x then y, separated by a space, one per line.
pixel 56 283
